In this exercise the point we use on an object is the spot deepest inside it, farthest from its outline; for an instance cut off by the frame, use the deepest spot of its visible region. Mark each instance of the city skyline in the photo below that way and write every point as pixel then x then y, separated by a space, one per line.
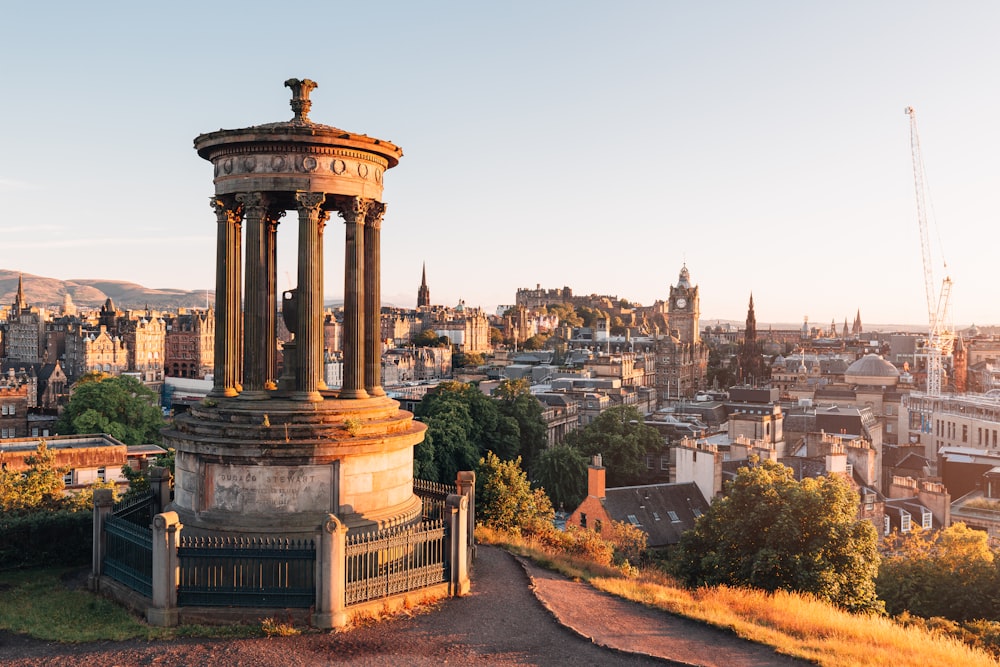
pixel 763 146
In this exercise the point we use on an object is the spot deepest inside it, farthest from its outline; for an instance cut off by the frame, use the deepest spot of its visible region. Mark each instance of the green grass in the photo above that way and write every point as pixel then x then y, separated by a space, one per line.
pixel 36 602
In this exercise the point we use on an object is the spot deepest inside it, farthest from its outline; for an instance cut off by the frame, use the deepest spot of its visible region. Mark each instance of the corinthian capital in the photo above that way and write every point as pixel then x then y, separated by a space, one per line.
pixel 226 212
pixel 373 218
pixel 354 210
pixel 310 201
pixel 253 203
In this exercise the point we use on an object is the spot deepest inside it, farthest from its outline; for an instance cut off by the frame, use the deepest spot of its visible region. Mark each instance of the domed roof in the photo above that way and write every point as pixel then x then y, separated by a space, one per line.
pixel 872 369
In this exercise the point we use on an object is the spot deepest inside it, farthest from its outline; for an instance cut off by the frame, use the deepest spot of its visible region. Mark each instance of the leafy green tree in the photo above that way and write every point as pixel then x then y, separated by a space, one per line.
pixel 496 337
pixel 567 314
pixel 950 573
pixel 622 438
pixel 536 342
pixel 505 499
pixel 122 407
pixel 774 533
pixel 468 360
pixel 515 401
pixel 462 425
pixel 562 471
pixel 38 488
pixel 429 338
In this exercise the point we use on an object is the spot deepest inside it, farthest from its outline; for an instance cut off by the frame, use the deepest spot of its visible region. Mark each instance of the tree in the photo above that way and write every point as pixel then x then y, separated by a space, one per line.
pixel 496 337
pixel 40 487
pixel 515 401
pixel 122 407
pixel 566 313
pixel 950 573
pixel 536 342
pixel 621 437
pixel 774 533
pixel 562 471
pixel 462 425
pixel 429 338
pixel 505 499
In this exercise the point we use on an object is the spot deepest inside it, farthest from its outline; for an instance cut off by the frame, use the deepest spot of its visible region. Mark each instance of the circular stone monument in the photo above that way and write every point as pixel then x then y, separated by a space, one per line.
pixel 269 455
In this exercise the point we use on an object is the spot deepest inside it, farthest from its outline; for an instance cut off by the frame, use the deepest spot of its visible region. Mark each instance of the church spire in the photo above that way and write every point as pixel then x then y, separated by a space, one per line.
pixel 424 293
pixel 20 304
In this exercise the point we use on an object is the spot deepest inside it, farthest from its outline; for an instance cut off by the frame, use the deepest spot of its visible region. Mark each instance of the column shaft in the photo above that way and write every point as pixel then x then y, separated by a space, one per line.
pixel 227 300
pixel 373 299
pixel 309 297
pixel 270 312
pixel 255 298
pixel 354 293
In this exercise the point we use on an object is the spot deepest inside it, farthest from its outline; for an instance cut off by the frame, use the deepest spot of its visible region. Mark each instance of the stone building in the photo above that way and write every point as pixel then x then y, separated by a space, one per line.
pixel 94 350
pixel 144 338
pixel 681 356
pixel 187 344
pixel 13 406
pixel 24 331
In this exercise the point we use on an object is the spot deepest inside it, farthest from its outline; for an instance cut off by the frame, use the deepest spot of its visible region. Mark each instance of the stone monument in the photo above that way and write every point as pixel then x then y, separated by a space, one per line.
pixel 265 455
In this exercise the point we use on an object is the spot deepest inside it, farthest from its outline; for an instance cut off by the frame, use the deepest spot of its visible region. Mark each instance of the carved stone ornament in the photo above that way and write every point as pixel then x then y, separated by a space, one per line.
pixel 249 163
pixel 310 200
pixel 250 199
pixel 300 98
pixel 338 167
pixel 376 211
pixel 309 163
pixel 362 170
pixel 354 210
pixel 224 212
pixel 278 162
pixel 227 165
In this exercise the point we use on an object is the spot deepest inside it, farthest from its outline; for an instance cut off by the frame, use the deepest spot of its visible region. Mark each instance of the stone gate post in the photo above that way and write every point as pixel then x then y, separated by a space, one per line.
pixel 331 575
pixel 159 482
pixel 103 501
pixel 458 547
pixel 166 571
pixel 466 485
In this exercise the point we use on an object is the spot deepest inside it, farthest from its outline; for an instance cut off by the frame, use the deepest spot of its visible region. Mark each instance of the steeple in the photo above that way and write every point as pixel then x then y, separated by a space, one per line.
pixel 856 330
pixel 424 293
pixel 20 303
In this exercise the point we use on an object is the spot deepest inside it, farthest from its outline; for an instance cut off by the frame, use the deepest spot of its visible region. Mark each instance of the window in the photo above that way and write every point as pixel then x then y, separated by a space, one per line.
pixel 696 512
pixel 965 433
pixel 673 516
pixel 5 409
pixel 598 526
pixel 656 516
pixel 904 523
pixel 664 463
pixel 102 474
pixel 13 406
pixel 885 525
pixel 583 520
pixel 633 520
pixel 649 461
pixel 68 478
pixel 927 520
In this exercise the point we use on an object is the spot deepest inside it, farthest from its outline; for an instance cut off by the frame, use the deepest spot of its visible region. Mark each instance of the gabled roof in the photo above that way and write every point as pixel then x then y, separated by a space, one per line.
pixel 662 511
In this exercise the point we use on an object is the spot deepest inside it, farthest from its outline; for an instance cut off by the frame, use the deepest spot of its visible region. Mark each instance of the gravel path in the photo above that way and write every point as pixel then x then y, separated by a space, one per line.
pixel 501 622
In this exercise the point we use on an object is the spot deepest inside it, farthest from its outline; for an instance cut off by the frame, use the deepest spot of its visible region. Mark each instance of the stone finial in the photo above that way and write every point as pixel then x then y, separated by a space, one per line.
pixel 300 97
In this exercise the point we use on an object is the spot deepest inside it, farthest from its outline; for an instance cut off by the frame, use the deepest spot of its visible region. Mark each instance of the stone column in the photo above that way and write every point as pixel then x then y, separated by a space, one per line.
pixel 465 484
pixel 354 294
pixel 270 312
pixel 228 367
pixel 104 499
pixel 255 298
pixel 309 298
pixel 456 509
pixel 331 575
pixel 166 571
pixel 373 299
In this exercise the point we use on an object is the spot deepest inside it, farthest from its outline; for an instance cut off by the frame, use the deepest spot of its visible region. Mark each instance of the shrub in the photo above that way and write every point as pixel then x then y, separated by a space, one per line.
pixel 61 537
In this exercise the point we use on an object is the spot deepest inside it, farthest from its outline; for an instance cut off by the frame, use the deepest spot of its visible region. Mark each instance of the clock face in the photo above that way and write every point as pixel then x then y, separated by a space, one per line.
pixel 681 302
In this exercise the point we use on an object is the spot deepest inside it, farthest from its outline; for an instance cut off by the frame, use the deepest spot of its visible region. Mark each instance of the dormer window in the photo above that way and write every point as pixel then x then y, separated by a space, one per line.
pixel 904 523
pixel 926 520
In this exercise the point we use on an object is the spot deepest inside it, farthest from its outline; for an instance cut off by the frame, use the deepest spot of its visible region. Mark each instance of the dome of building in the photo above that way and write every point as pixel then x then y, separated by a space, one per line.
pixel 872 369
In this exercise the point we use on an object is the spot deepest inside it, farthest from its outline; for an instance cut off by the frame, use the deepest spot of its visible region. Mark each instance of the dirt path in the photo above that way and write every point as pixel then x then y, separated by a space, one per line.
pixel 500 623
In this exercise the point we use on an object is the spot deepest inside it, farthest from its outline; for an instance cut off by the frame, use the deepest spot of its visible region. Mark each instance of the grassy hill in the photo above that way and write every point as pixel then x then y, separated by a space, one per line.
pixel 92 293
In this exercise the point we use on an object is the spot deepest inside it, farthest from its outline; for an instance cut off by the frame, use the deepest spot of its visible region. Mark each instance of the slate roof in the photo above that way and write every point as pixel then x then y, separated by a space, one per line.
pixel 663 511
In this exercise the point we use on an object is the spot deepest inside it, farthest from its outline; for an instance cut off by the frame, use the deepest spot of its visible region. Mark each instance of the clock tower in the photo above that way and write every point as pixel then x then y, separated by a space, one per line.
pixel 683 309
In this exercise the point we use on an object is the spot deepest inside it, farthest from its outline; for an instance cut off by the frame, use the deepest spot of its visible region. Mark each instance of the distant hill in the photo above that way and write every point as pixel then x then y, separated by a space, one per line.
pixel 92 293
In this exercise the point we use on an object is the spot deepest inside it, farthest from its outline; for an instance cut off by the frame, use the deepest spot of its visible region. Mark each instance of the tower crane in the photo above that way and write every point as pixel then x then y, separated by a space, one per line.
pixel 939 337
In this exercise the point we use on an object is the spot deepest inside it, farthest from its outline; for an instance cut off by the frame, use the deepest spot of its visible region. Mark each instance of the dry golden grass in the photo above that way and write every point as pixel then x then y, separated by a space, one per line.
pixel 793 624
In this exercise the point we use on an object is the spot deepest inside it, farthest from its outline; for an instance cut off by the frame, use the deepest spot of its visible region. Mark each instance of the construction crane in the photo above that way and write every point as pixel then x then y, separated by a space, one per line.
pixel 939 337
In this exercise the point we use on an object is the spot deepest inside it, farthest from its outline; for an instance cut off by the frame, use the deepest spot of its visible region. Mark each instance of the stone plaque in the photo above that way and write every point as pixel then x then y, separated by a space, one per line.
pixel 248 489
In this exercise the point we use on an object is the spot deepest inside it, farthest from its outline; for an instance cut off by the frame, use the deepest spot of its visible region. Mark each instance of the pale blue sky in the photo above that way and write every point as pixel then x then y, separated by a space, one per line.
pixel 594 145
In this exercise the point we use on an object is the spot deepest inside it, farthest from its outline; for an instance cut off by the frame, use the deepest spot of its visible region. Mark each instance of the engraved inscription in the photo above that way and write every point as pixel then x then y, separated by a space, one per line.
pixel 263 489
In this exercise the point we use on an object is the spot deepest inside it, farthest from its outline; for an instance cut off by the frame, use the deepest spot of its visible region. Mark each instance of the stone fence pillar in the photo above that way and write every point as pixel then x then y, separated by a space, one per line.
pixel 458 547
pixel 104 499
pixel 159 482
pixel 331 575
pixel 166 570
pixel 466 485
